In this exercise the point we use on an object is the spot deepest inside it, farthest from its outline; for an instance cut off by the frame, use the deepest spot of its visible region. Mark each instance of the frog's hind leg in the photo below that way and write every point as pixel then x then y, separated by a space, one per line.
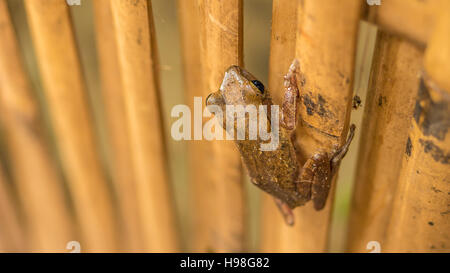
pixel 286 211
pixel 323 169
pixel 341 152
pixel 315 180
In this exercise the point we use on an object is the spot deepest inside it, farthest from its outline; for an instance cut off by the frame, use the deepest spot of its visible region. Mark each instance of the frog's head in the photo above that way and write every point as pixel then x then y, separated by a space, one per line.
pixel 239 87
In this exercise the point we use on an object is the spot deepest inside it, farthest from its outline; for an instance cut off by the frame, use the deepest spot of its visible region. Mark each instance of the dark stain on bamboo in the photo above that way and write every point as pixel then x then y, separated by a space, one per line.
pixel 409 146
pixel 437 153
pixel 381 100
pixel 316 106
pixel 432 117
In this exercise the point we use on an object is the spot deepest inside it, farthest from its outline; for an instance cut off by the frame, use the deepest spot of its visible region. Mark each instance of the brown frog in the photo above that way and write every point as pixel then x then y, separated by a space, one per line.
pixel 277 171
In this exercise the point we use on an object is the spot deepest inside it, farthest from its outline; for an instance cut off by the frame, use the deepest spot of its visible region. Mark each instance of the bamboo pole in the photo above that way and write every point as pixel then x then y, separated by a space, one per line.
pixel 12 235
pixel 282 52
pixel 67 99
pixel 139 71
pixel 413 20
pixel 189 24
pixel 389 106
pixel 49 220
pixel 113 97
pixel 325 47
pixel 420 220
pixel 222 181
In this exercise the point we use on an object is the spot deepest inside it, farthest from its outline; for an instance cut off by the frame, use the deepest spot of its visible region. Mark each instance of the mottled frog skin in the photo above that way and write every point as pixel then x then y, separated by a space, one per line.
pixel 278 171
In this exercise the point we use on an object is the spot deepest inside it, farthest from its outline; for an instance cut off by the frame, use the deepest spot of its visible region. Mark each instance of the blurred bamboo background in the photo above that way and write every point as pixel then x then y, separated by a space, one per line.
pixel 86 94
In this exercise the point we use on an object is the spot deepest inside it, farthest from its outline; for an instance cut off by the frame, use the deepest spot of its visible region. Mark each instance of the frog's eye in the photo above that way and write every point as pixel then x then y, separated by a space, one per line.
pixel 259 85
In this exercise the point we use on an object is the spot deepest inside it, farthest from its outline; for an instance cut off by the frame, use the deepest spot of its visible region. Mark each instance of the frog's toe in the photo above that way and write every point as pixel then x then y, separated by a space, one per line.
pixel 286 212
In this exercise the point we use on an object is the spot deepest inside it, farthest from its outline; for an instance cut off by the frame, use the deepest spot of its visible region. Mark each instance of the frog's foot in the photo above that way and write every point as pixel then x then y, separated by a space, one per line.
pixel 317 174
pixel 285 211
pixel 291 97
pixel 339 154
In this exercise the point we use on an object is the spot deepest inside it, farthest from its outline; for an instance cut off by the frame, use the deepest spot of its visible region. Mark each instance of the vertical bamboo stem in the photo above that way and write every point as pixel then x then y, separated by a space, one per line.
pixel 113 96
pixel 390 102
pixel 65 91
pixel 40 188
pixel 282 52
pixel 325 47
pixel 12 235
pixel 189 23
pixel 420 220
pixel 138 68
pixel 221 46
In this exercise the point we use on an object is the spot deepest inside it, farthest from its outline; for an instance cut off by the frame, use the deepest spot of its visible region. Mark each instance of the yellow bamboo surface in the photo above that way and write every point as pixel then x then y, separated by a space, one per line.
pixel 65 92
pixel 420 220
pixel 189 23
pixel 413 19
pixel 49 222
pixel 224 217
pixel 282 52
pixel 133 23
pixel 12 235
pixel 389 106
pixel 113 97
pixel 325 47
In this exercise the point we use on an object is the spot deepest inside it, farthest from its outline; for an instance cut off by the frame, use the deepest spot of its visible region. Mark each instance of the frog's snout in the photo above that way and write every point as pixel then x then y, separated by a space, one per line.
pixel 214 99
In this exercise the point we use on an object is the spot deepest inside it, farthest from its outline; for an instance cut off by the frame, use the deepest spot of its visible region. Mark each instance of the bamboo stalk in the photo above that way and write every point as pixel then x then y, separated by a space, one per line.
pixel 113 97
pixel 72 123
pixel 411 19
pixel 325 47
pixel 437 57
pixel 39 185
pixel 420 220
pixel 139 71
pixel 189 23
pixel 222 181
pixel 12 235
pixel 390 102
pixel 282 52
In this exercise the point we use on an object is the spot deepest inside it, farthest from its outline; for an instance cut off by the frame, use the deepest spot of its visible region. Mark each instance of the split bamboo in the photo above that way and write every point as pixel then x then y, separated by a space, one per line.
pixel 40 188
pixel 221 32
pixel 65 91
pixel 138 62
pixel 389 105
pixel 119 140
pixel 420 220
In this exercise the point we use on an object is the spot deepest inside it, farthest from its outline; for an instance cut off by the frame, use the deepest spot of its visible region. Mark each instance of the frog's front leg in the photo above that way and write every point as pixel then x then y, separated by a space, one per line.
pixel 291 98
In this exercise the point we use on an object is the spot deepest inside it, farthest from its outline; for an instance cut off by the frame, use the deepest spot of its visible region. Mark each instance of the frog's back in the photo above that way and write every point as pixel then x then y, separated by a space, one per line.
pixel 274 171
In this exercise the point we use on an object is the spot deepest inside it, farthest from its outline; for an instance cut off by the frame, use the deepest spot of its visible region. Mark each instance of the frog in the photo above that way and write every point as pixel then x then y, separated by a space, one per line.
pixel 279 171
